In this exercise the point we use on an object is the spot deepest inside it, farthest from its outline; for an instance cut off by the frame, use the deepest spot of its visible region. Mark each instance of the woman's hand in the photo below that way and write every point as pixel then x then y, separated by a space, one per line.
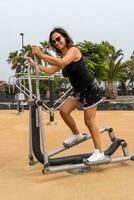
pixel 37 51
pixel 31 62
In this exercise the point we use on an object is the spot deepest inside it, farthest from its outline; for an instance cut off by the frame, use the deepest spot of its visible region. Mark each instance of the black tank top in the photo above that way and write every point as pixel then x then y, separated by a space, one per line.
pixel 79 75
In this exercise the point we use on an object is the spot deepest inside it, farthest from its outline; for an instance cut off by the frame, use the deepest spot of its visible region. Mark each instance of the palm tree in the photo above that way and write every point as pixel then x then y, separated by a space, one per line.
pixel 113 72
pixel 129 65
pixel 17 59
pixel 13 59
pixel 45 44
pixel 26 51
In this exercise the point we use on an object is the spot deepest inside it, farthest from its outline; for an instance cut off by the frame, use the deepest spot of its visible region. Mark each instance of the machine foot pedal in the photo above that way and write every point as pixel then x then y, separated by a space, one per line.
pixel 106 160
pixel 85 137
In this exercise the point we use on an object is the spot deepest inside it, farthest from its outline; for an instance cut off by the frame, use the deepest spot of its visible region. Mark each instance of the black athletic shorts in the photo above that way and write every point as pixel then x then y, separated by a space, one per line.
pixel 89 97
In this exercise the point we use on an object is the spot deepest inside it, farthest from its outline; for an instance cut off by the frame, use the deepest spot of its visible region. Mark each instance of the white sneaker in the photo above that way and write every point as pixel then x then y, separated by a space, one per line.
pixel 73 139
pixel 96 156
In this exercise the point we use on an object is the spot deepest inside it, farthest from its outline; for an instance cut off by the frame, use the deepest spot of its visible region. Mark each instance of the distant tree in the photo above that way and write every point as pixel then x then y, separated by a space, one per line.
pixel 129 71
pixel 113 72
pixel 95 56
pixel 45 45
pixel 14 59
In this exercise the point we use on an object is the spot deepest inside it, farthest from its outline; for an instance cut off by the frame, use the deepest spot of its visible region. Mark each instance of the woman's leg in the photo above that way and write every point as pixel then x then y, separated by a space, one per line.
pixel 69 105
pixel 89 117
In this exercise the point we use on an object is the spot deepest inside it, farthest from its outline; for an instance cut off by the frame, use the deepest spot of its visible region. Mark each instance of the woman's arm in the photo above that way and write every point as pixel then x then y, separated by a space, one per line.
pixel 48 70
pixel 73 54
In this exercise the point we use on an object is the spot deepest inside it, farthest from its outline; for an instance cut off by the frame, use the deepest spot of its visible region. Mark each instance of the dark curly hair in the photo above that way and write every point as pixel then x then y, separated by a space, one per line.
pixel 69 41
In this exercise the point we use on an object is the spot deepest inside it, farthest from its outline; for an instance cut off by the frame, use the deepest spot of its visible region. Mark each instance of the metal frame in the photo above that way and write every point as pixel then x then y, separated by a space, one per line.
pixel 81 166
pixel 36 125
pixel 26 91
pixel 38 152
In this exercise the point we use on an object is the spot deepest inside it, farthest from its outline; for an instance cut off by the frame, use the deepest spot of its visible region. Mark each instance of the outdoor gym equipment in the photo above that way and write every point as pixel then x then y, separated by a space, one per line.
pixel 75 163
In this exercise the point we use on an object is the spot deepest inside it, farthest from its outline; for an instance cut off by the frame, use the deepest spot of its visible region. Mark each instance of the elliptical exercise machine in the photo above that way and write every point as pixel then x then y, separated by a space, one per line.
pixel 74 163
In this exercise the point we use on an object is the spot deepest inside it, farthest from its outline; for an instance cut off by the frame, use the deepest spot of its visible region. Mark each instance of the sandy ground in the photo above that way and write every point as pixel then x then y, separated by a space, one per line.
pixel 19 181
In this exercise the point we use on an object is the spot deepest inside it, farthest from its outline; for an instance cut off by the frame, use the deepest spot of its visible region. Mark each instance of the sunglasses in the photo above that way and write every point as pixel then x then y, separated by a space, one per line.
pixel 56 40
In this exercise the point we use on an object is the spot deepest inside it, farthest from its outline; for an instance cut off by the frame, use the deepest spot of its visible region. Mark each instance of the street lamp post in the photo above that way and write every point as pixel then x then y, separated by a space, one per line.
pixel 22 39
pixel 18 72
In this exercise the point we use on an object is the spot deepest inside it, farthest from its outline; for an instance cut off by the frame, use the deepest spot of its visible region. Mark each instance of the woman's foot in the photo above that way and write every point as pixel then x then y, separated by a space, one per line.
pixel 96 156
pixel 74 138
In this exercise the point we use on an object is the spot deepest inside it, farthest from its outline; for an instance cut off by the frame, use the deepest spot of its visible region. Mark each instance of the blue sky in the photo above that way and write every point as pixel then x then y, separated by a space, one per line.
pixel 93 20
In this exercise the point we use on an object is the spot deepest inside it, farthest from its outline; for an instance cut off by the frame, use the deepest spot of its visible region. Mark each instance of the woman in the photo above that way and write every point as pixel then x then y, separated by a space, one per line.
pixel 86 88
